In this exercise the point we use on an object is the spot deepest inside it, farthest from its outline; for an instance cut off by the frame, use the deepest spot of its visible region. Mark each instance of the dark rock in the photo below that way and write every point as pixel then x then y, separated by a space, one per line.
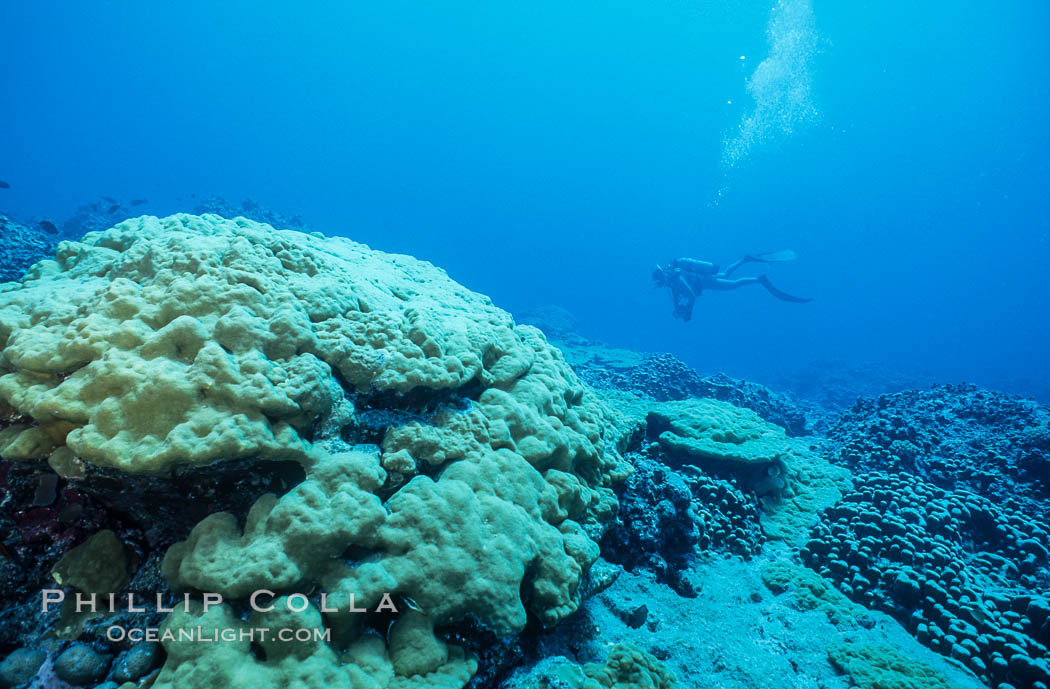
pixel 1028 670
pixel 906 589
pixel 36 536
pixel 1038 610
pixel 20 666
pixel 82 665
pixel 637 617
pixel 137 662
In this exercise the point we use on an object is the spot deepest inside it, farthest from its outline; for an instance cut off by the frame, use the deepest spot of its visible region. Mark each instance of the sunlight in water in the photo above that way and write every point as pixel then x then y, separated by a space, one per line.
pixel 782 85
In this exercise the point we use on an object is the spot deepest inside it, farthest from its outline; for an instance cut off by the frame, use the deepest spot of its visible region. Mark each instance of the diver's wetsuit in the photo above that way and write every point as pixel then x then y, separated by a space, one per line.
pixel 687 278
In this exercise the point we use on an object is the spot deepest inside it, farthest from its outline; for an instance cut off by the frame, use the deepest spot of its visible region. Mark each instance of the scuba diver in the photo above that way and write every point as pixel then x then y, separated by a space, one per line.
pixel 687 278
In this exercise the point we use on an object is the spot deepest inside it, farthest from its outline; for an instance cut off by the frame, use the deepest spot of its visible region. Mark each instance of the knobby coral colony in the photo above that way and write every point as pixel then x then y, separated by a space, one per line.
pixel 213 407
pixel 446 456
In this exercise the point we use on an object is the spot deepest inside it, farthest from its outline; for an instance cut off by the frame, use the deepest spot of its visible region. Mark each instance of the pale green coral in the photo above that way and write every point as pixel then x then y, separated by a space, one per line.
pixel 629 667
pixel 190 340
pixel 486 522
pixel 626 667
pixel 876 666
pixel 458 545
pixel 809 591
pixel 711 431
pixel 286 542
pixel 214 648
pixel 796 481
pixel 812 484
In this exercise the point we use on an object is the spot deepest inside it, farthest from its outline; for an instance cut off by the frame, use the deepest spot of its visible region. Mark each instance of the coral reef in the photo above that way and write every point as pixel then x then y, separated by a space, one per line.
pixel 433 494
pixel 627 667
pixel 792 480
pixel 476 473
pixel 667 518
pixel 837 385
pixel 711 478
pixel 957 569
pixel 95 217
pixel 253 210
pixel 20 247
pixel 946 529
pixel 990 443
pixel 660 377
pixel 876 667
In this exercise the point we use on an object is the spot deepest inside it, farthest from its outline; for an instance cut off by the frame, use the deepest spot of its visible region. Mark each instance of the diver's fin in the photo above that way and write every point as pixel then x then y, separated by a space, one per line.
pixel 773 256
pixel 778 294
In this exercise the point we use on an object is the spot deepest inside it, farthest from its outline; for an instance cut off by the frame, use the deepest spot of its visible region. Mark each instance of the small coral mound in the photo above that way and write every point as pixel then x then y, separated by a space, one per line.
pixel 873 666
pixel 724 440
pixel 719 435
pixel 808 590
pixel 627 667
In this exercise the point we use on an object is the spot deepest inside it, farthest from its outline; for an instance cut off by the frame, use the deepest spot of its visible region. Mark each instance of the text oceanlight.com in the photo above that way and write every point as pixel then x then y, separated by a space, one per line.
pixel 212 634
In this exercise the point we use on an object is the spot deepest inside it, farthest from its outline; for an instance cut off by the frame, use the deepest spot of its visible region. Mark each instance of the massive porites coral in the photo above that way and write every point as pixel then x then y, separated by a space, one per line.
pixel 448 457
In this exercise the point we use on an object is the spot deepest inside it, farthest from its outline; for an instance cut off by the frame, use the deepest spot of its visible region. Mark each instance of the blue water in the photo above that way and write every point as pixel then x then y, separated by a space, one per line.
pixel 552 152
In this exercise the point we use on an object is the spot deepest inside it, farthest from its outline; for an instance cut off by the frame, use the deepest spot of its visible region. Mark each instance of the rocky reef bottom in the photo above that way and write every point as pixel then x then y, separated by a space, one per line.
pixel 930 571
